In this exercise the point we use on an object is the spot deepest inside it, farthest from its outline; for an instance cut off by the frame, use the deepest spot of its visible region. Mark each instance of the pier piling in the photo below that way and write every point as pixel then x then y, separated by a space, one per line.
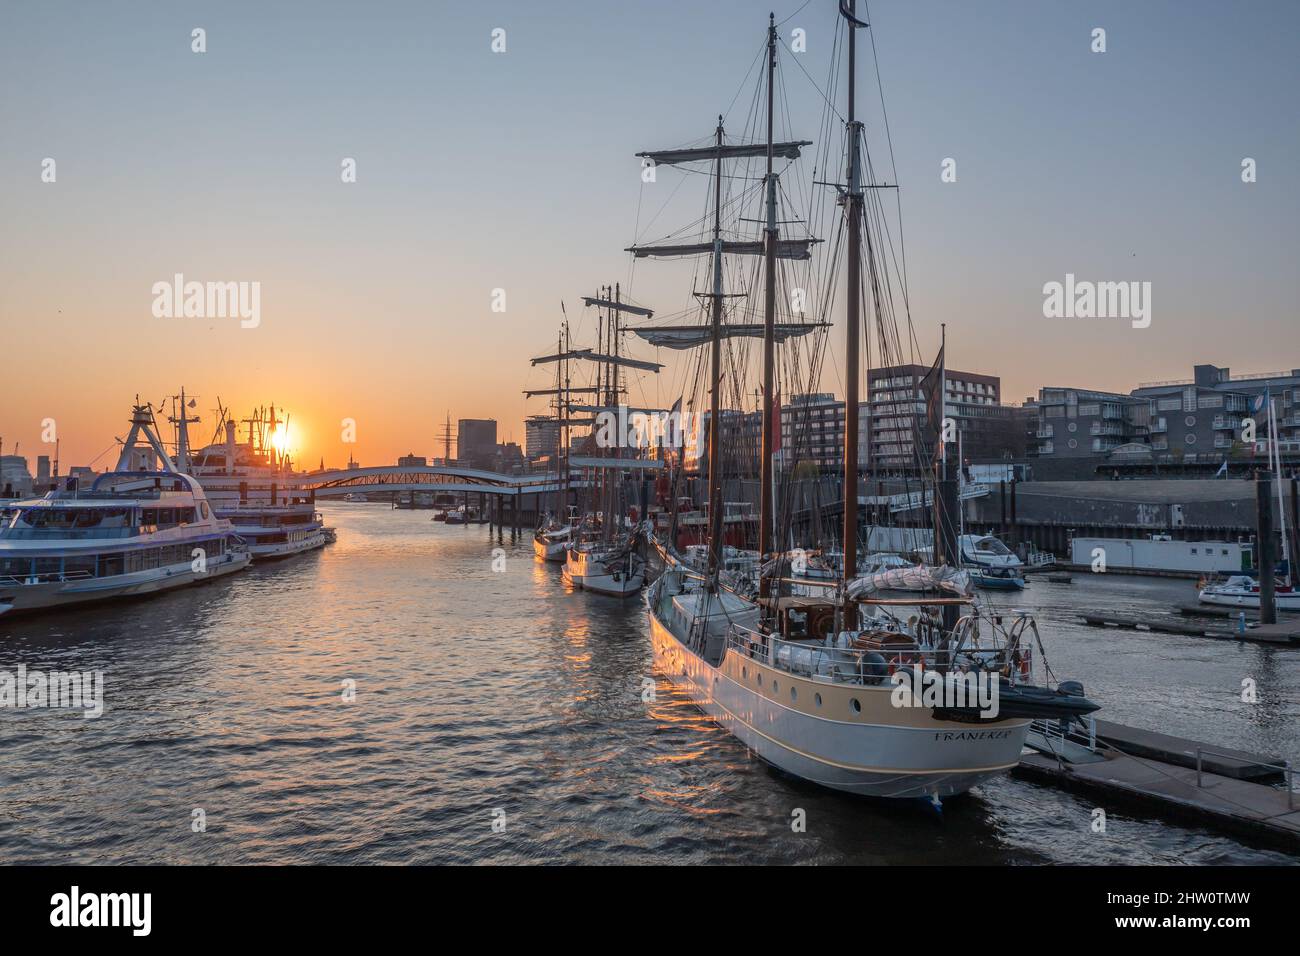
pixel 1267 554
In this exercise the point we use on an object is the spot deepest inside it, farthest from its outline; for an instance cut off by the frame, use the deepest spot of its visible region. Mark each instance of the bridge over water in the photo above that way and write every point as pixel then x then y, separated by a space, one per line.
pixel 506 493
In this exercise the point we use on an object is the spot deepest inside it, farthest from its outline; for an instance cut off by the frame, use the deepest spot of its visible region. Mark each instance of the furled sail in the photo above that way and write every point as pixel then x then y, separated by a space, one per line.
pixel 690 336
pixel 785 248
pixel 594 356
pixel 617 306
pixel 531 393
pixel 922 577
pixel 671 157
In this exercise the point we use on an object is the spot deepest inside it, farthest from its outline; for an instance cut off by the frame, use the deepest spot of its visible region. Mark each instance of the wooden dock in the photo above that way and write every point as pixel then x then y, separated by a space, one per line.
pixel 1158 772
pixel 1224 761
pixel 1283 633
pixel 1236 806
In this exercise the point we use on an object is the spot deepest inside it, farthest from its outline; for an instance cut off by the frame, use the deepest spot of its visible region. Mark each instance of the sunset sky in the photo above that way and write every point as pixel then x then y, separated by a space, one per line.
pixel 479 170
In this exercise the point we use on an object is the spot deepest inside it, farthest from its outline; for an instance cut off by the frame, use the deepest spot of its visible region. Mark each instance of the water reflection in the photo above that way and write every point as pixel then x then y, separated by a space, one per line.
pixel 482 690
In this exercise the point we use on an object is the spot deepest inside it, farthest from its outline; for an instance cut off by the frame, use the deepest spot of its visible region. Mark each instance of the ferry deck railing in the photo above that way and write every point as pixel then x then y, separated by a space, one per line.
pixel 49 577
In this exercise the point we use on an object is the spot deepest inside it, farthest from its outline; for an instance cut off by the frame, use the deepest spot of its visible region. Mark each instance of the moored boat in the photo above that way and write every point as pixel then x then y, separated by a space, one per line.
pixel 134 531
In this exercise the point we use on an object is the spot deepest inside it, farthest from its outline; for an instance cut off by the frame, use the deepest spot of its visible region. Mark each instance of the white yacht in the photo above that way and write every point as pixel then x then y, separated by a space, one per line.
pixel 1242 590
pixel 253 484
pixel 134 531
pixel 986 551
pixel 612 569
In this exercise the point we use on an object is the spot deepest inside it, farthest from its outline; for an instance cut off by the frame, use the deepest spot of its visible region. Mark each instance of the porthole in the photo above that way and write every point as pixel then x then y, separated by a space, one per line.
pixel 744 673
pixel 817 699
pixel 760 680
pixel 1191 421
pixel 1073 426
pixel 856 705
pixel 794 694
pixel 1073 443
pixel 1190 440
pixel 776 687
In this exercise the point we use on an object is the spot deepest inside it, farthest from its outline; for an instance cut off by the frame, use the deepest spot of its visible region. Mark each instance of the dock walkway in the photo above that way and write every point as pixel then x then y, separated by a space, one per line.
pixel 1159 771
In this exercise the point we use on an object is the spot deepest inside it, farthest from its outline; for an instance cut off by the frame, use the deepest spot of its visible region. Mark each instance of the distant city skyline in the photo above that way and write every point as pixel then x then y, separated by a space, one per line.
pixel 478 171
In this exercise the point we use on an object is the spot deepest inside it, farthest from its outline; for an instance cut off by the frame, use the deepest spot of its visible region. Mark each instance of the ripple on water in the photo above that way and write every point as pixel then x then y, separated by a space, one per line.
pixel 483 696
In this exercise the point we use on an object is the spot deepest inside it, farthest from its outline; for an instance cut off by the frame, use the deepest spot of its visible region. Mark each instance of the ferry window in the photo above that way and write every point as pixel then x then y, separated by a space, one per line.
pixel 1193 550
pixel 151 558
pixel 79 565
pixel 203 507
pixel 185 515
pixel 111 565
pixel 794 694
pixel 15 567
pixel 1225 550
pixel 166 516
pixel 817 699
pixel 48 565
pixel 149 516
pixel 856 705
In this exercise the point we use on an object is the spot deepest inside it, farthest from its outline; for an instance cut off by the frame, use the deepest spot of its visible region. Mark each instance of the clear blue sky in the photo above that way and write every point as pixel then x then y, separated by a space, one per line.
pixel 479 171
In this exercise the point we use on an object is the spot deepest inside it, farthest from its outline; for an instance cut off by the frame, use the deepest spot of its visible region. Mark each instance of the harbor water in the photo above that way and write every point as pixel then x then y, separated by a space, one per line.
pixel 422 693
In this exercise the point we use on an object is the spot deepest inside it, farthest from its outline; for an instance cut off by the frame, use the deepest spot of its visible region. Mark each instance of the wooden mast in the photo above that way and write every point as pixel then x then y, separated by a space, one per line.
pixel 765 503
pixel 715 389
pixel 853 330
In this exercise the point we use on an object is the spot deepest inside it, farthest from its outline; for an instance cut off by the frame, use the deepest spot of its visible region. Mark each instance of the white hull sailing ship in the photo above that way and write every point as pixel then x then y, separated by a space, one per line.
pixel 808 683
pixel 135 531
pixel 599 549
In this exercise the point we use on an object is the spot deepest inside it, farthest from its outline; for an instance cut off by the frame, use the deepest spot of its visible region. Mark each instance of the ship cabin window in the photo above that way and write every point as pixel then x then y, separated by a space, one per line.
pixel 79 565
pixel 203 507
pixel 47 565
pixel 15 567
pixel 111 565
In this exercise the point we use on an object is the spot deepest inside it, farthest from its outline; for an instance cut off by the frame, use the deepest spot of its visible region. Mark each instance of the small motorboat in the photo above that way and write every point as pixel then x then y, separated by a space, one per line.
pixel 997 579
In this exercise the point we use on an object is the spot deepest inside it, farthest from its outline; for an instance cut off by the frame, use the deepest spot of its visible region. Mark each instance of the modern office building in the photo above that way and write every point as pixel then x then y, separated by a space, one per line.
pixel 1083 423
pixel 1206 414
pixel 476 441
pixel 988 430
pixel 541 436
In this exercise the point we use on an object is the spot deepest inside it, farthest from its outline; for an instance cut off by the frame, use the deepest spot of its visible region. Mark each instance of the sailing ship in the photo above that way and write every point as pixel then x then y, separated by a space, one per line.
pixel 809 683
pixel 142 528
pixel 600 549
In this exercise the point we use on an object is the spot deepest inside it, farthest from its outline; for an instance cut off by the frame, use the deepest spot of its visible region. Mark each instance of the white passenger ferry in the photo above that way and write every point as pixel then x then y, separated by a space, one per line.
pixel 132 532
pixel 253 484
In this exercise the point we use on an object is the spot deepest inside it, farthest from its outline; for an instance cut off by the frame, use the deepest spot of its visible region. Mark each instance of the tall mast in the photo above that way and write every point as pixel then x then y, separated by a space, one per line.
pixel 715 383
pixel 564 428
pixel 769 332
pixel 853 330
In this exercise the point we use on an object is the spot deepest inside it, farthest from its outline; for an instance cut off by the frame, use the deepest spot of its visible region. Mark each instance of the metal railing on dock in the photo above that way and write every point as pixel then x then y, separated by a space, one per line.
pixel 1284 766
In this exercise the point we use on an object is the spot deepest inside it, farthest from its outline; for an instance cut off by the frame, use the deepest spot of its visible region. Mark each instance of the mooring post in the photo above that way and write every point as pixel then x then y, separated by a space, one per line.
pixel 1267 558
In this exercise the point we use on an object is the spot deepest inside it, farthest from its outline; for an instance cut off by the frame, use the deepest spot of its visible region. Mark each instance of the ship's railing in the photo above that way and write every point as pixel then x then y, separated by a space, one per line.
pixel 66 534
pixel 50 577
pixel 831 663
